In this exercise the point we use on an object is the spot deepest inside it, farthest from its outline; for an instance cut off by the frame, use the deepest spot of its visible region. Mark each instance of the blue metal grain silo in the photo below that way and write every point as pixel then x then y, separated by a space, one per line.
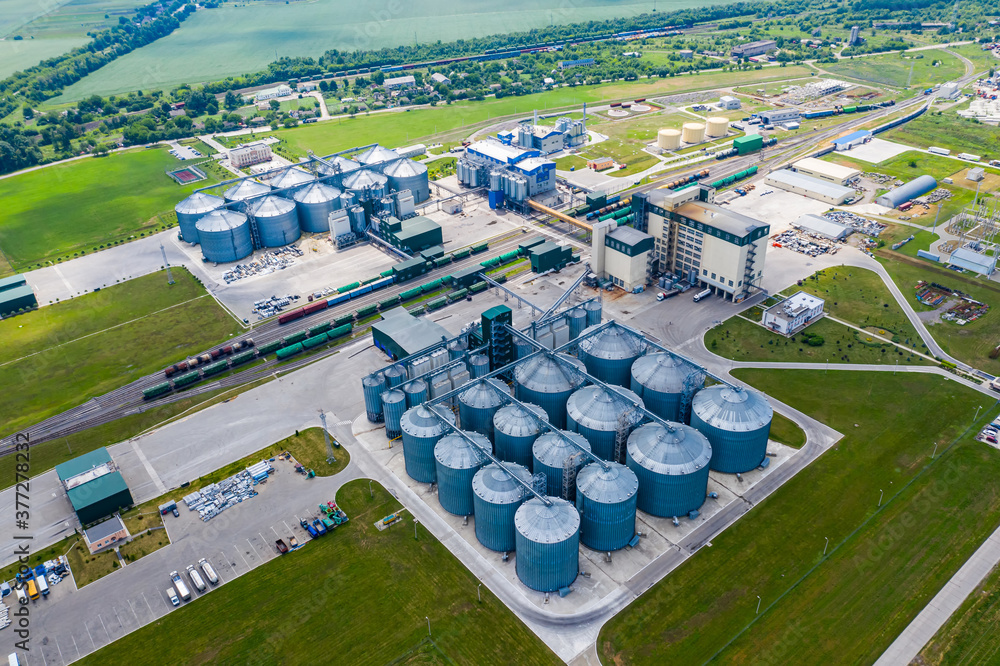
pixel 224 236
pixel 394 375
pixel 373 386
pixel 515 431
pixel 246 189
pixel 577 319
pixel 662 379
pixel 548 383
pixel 606 500
pixel 737 422
pixel 547 544
pixel 593 310
pixel 610 353
pixel 291 177
pixel 496 496
pixel 192 209
pixel 416 392
pixel 314 203
pixel 277 221
pixel 456 462
pixel 550 453
pixel 421 431
pixel 478 403
pixel 393 406
pixel 672 468
pixel 479 365
pixel 597 414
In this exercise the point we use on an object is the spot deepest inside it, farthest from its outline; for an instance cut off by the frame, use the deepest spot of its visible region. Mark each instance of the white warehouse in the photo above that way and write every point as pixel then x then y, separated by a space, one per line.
pixel 815 188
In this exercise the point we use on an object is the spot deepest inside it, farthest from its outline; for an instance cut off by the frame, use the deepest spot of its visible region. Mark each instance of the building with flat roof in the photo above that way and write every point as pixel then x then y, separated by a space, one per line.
pixel 399 82
pixel 815 188
pixel 851 140
pixel 823 226
pixel 400 334
pixel 777 116
pixel 754 48
pixel 833 173
pixel 271 93
pixel 794 313
pixel 537 173
pixel 248 154
pixel 711 246
pixel 729 103
pixel 94 486
pixel 627 255
pixel 105 534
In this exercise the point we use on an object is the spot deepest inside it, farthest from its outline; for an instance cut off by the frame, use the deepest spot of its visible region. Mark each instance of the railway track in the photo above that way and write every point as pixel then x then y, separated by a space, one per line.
pixel 128 400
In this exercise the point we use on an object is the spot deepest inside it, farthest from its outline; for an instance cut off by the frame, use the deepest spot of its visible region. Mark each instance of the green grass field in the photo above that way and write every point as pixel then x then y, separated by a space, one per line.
pixel 972 342
pixel 893 69
pixel 363 601
pixel 921 239
pixel 61 355
pixel 859 296
pixel 948 130
pixel 60 210
pixel 883 564
pixel 785 430
pixel 741 340
pixel 969 636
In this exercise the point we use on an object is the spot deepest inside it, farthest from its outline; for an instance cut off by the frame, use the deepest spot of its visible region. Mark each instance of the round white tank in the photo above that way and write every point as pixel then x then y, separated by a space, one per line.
pixel 668 139
pixel 717 126
pixel 693 133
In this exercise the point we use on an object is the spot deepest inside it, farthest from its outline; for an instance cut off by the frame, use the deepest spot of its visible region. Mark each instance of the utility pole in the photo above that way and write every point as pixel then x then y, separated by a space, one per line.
pixel 170 276
pixel 326 436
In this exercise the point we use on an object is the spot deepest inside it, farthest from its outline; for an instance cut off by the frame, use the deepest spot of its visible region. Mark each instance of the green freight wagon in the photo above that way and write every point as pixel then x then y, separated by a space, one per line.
pixel 461 254
pixel 321 328
pixel 509 256
pixel 410 293
pixel 186 379
pixel 314 341
pixel 482 247
pixel 622 212
pixel 292 350
pixel 457 295
pixel 850 109
pixel 751 171
pixel 348 287
pixel 436 303
pixel 371 279
pixel 293 338
pixel 365 311
pixel 442 261
pixel 388 303
pixel 268 347
pixel 419 310
pixel 158 390
pixel 215 368
pixel 386 273
pixel 430 286
pixel 240 359
pixel 339 332
pixel 491 263
pixel 344 319
pixel 750 143
pixel 477 287
pixel 606 216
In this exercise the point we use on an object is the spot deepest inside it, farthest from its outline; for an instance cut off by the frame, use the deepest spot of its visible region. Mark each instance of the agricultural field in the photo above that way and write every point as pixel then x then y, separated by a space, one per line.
pixel 858 296
pixel 893 69
pixel 386 583
pixel 238 38
pixel 389 129
pixel 64 354
pixel 742 340
pixel 55 212
pixel 969 636
pixel 884 563
pixel 948 130
pixel 971 343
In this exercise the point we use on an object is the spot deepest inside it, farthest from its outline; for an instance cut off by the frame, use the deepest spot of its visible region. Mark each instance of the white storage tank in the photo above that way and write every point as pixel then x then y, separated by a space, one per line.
pixel 717 127
pixel 668 139
pixel 693 132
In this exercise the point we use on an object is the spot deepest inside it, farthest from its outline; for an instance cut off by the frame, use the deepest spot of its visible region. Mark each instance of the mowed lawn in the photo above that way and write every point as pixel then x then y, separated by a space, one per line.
pixel 61 355
pixel 59 210
pixel 970 635
pixel 355 596
pixel 949 130
pixel 883 563
pixel 893 69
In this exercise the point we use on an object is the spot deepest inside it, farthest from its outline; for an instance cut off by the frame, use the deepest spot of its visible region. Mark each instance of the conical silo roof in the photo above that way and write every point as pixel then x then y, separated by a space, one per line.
pixel 543 373
pixel 422 422
pixel 272 206
pixel 246 189
pixel 316 193
pixel 456 452
pixel 199 203
pixel 551 449
pixel 221 220
pixel 496 486
pixel 610 485
pixel 484 393
pixel 547 523
pixel 514 421
pixel 291 177
pixel 405 169
pixel 362 179
pixel 339 162
pixel 663 372
pixel 596 408
pixel 612 343
pixel 683 451
pixel 732 409
pixel 377 154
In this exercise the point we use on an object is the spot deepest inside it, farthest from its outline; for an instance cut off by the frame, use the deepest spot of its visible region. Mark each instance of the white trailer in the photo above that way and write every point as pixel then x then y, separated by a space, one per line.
pixel 196 578
pixel 209 571
pixel 181 587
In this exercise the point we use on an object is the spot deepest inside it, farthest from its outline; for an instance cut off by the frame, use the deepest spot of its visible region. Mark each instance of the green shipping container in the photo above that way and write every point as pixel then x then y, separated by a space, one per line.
pixel 240 359
pixel 292 350
pixel 347 287
pixel 157 390
pixel 293 338
pixel 314 341
pixel 215 368
pixel 345 319
pixel 339 332
pixel 186 379
pixel 410 293
pixel 436 303
pixel 268 347
pixel 321 328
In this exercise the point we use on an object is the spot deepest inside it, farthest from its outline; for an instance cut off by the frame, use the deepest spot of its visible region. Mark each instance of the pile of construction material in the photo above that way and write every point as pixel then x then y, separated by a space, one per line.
pixel 264 264
pixel 269 307
pixel 215 498
pixel 862 225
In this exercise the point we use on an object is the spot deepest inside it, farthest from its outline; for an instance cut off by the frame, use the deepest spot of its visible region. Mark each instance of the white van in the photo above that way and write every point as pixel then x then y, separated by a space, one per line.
pixel 22 596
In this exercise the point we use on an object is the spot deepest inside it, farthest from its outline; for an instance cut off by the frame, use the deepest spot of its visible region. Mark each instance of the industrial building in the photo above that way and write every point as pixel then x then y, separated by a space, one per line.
pixel 706 244
pixel 550 452
pixel 794 313
pixel 851 140
pixel 511 170
pixel 949 90
pixel 729 103
pixel 908 191
pixel 582 62
pixel 970 260
pixel 814 188
pixel 105 534
pixel 15 294
pixel 348 198
pixel 400 334
pixel 686 54
pixel 754 48
pixel 823 226
pixel 833 173
pixel 95 487
pixel 779 116
pixel 248 154
pixel 437 77
pixel 567 133
pixel 627 254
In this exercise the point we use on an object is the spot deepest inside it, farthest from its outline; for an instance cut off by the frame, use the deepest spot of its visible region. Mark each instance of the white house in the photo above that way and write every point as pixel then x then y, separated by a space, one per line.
pixel 794 313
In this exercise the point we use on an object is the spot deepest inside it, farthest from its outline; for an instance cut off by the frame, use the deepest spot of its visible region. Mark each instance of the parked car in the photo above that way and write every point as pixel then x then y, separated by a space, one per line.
pixel 177 514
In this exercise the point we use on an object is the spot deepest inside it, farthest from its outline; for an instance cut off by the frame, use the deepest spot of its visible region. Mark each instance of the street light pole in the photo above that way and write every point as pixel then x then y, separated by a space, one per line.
pixel 758 605
pixel 370 489
pixel 880 492
pixel 935 451
pixel 479 592
pixel 977 413
pixel 428 625
pixel 415 523
pixel 827 544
